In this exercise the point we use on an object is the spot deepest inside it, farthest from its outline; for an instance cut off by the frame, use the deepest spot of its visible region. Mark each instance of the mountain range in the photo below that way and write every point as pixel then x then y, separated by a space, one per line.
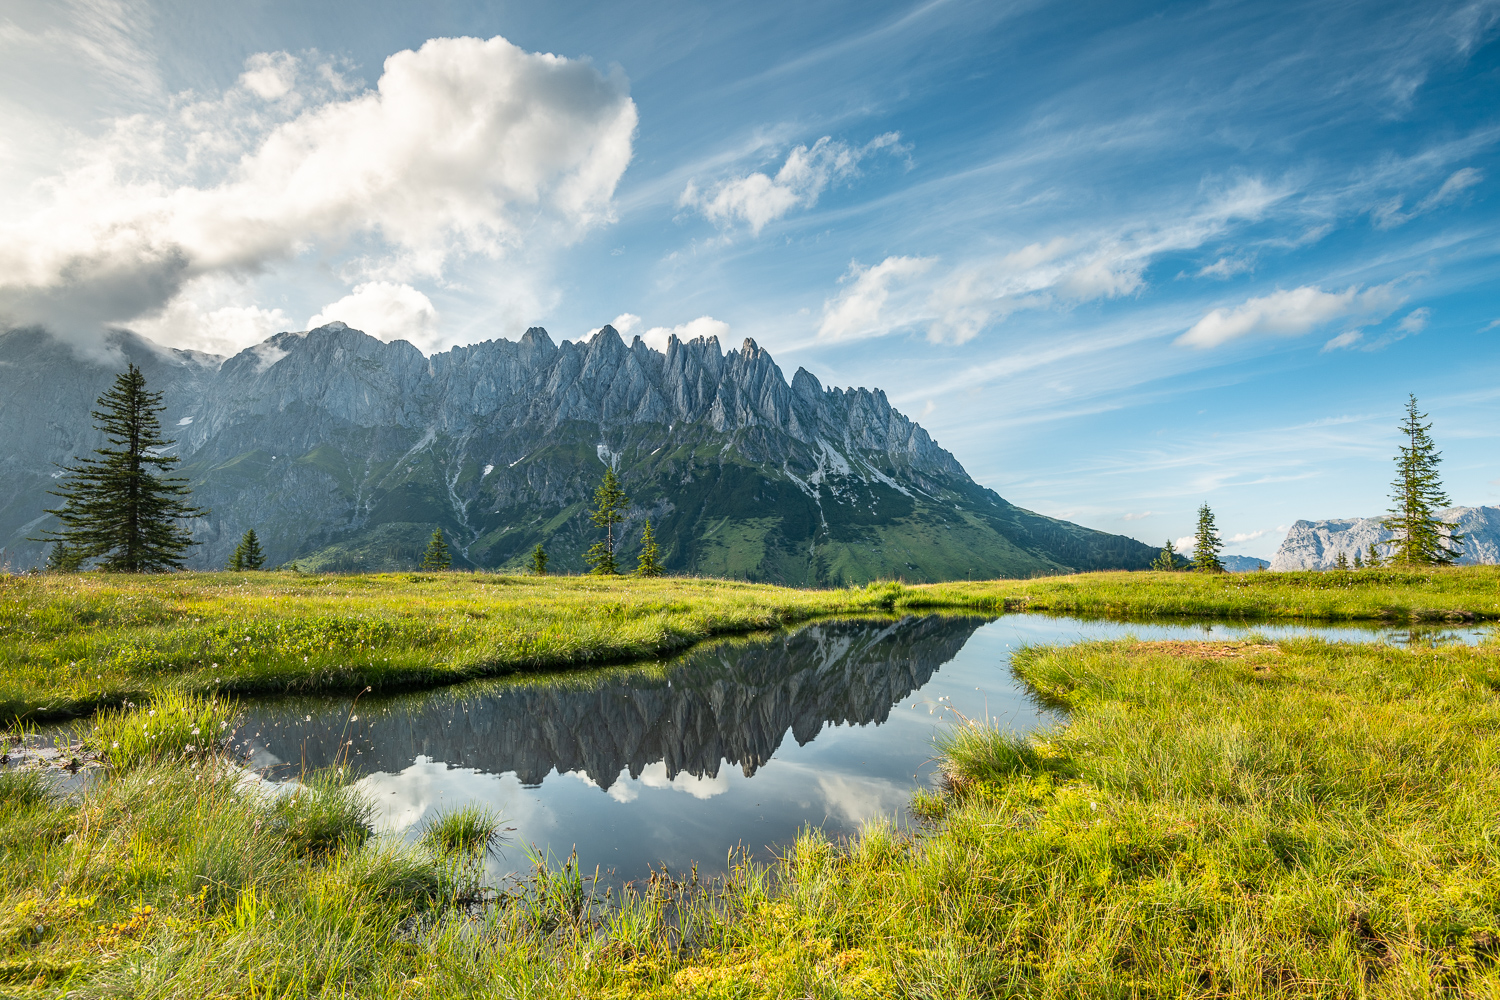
pixel 1318 544
pixel 344 452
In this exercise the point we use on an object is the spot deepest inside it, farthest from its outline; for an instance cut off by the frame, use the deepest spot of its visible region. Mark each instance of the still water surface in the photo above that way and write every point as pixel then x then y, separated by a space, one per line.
pixel 738 744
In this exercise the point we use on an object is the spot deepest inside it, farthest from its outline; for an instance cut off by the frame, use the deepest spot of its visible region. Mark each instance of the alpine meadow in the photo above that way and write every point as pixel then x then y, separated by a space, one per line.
pixel 776 502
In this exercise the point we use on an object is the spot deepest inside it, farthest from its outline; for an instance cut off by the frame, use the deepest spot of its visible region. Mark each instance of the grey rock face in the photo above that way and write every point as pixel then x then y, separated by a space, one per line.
pixel 1317 544
pixel 340 447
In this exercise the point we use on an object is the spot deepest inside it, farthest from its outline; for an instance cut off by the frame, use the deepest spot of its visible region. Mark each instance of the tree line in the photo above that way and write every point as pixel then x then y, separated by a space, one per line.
pixel 1418 536
pixel 123 510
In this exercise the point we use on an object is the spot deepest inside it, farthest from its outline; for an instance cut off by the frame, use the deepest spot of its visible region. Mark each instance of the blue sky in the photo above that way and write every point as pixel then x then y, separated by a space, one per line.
pixel 1120 259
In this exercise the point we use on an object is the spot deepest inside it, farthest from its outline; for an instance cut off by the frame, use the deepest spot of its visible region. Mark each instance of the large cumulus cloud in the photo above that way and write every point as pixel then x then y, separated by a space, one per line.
pixel 464 146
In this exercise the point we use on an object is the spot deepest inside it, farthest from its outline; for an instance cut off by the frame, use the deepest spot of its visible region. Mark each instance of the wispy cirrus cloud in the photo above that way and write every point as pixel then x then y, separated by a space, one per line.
pixel 1290 313
pixel 758 199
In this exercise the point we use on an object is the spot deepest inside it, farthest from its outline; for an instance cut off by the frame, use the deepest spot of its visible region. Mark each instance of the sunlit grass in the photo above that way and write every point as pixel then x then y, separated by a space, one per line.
pixel 171 725
pixel 1253 819
pixel 1456 593
pixel 71 644
pixel 467 830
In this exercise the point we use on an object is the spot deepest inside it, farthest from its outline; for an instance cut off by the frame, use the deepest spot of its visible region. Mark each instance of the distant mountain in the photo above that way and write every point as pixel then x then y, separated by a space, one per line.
pixel 1317 544
pixel 1243 564
pixel 344 452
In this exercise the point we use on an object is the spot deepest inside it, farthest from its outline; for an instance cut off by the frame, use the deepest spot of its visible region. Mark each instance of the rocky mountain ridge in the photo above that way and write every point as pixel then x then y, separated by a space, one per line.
pixel 344 451
pixel 1318 544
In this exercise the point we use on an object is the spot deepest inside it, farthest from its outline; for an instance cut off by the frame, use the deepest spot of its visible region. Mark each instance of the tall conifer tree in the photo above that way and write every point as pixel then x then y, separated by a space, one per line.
pixel 538 560
pixel 649 564
pixel 609 510
pixel 436 556
pixel 1421 539
pixel 118 507
pixel 1166 559
pixel 247 554
pixel 1207 543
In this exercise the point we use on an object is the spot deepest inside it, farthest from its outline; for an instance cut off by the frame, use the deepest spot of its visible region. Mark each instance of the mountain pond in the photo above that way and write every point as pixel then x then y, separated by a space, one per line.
pixel 734 744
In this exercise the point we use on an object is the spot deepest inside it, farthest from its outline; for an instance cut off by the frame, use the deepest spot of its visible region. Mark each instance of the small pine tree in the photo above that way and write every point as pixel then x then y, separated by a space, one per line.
pixel 1342 562
pixel 538 560
pixel 609 510
pixel 1359 559
pixel 436 557
pixel 1207 543
pixel 63 559
pixel 1166 559
pixel 1373 558
pixel 247 555
pixel 649 564
pixel 118 507
pixel 1421 539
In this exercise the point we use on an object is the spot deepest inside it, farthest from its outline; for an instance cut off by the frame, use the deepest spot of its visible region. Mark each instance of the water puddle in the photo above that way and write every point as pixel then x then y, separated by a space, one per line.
pixel 738 744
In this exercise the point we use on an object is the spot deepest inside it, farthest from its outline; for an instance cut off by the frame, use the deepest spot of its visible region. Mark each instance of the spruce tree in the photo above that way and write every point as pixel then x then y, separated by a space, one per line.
pixel 62 559
pixel 1359 559
pixel 1421 539
pixel 1373 558
pixel 247 554
pixel 538 560
pixel 609 510
pixel 1342 562
pixel 648 564
pixel 118 507
pixel 436 556
pixel 1207 544
pixel 1166 559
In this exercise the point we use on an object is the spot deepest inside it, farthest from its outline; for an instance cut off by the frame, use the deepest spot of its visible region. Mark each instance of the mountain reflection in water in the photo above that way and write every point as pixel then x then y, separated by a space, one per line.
pixel 732 702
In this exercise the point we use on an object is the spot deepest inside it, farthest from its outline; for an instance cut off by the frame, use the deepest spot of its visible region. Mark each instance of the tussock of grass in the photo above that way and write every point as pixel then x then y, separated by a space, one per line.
pixel 321 814
pixel 171 725
pixel 467 830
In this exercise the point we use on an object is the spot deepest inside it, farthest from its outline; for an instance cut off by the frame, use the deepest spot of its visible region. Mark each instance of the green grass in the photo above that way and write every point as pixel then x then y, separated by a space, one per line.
pixel 1215 819
pixel 73 644
pixel 467 830
pixel 1454 593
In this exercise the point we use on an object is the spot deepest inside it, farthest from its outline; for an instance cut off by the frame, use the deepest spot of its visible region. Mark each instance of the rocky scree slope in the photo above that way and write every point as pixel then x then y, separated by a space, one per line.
pixel 344 452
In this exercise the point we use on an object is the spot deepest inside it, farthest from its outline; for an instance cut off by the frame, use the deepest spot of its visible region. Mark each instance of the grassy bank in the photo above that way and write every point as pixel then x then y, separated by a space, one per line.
pixel 1246 819
pixel 70 644
pixel 1453 593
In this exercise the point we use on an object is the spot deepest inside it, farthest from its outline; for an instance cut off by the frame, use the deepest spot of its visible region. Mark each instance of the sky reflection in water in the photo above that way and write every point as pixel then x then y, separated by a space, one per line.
pixel 737 744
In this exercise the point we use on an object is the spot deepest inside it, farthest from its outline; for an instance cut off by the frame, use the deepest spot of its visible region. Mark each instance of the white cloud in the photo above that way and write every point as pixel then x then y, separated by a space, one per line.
pixel 698 786
pixel 270 75
pixel 758 199
pixel 1185 544
pixel 386 311
pixel 1244 536
pixel 1388 214
pixel 1060 272
pixel 1346 339
pixel 626 325
pixel 703 326
pixel 1289 314
pixel 1489 326
pixel 1415 321
pixel 464 146
pixel 857 310
pixel 1141 516
pixel 1226 267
